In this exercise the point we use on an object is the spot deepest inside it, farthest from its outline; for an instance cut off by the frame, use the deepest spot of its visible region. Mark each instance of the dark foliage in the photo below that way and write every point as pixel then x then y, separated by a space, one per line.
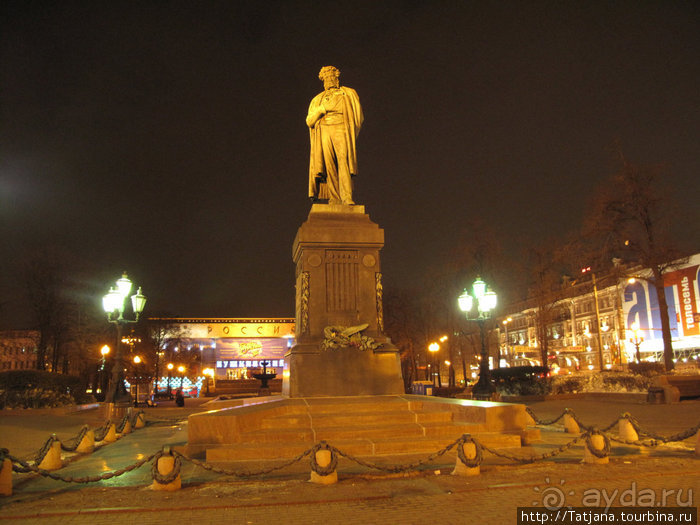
pixel 18 381
pixel 647 369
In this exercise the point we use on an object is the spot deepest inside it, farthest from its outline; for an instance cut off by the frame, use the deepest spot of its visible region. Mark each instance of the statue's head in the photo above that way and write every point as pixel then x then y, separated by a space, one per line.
pixel 329 75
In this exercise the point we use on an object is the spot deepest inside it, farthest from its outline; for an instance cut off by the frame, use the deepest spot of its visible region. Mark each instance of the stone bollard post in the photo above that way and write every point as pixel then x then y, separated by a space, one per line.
pixel 468 459
pixel 626 429
pixel 87 444
pixel 570 424
pixel 6 477
pixel 111 435
pixel 325 461
pixel 596 449
pixel 52 459
pixel 127 428
pixel 164 467
pixel 140 420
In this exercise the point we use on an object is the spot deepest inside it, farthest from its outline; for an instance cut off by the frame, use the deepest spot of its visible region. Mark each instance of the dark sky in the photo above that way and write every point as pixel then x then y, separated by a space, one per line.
pixel 168 138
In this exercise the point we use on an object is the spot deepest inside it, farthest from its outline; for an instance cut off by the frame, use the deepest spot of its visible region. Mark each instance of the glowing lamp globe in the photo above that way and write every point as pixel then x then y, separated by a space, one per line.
pixel 138 302
pixel 112 301
pixel 465 301
pixel 479 288
pixel 124 285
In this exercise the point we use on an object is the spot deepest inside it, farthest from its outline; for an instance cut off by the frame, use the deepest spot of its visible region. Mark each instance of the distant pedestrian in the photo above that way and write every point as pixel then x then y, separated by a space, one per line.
pixel 179 398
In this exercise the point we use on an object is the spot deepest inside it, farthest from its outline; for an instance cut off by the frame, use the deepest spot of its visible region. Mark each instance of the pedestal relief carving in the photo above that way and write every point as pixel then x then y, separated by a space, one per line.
pixel 380 301
pixel 341 280
pixel 303 303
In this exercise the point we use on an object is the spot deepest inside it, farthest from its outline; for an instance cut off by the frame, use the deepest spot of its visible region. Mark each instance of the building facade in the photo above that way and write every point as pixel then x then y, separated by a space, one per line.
pixel 608 318
pixel 234 348
pixel 18 349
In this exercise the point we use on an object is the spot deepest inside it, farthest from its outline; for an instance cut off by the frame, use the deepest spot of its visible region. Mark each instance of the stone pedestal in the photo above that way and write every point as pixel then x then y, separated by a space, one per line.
pixel 339 283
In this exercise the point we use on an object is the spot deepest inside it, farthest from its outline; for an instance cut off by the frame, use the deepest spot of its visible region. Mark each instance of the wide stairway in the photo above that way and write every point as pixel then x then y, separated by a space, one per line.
pixel 281 428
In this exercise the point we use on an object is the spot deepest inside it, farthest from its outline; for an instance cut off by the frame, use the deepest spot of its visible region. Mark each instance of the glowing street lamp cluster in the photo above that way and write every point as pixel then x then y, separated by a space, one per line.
pixel 485 301
pixel 114 305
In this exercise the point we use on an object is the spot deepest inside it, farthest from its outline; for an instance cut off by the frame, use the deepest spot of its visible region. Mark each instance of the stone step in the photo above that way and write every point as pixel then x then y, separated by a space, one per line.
pixel 370 431
pixel 355 404
pixel 356 447
pixel 355 419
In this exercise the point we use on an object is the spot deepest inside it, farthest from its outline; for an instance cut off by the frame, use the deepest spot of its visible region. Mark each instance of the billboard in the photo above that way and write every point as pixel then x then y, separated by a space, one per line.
pixel 640 304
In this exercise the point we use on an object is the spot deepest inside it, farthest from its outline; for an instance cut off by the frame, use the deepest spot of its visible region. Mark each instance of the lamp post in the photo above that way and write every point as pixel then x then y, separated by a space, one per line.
pixel 485 303
pixel 208 372
pixel 103 386
pixel 170 367
pixel 137 376
pixel 114 304
pixel 181 369
pixel 597 315
pixel 636 340
pixel 433 348
pixel 506 322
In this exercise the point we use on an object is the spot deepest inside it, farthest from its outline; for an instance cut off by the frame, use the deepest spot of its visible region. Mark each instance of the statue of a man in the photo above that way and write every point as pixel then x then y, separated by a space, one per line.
pixel 334 120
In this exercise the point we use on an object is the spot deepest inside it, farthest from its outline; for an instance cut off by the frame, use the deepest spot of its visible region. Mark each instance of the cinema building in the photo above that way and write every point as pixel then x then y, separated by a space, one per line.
pixel 232 348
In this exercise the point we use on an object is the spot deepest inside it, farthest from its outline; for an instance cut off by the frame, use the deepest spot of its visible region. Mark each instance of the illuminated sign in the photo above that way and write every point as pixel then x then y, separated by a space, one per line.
pixel 247 349
pixel 641 303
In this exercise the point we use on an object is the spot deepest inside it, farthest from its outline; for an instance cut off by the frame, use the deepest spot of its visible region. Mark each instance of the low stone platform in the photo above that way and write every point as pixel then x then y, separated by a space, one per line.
pixel 281 428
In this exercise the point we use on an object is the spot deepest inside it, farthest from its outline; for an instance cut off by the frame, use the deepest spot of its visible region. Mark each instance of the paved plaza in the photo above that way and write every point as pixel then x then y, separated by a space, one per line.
pixel 669 472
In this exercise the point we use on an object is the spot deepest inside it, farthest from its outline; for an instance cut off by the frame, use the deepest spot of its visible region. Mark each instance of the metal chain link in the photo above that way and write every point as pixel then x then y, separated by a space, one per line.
pixel 243 474
pixel 101 432
pixel 122 424
pixel 24 467
pixel 589 443
pixel 532 459
pixel 41 454
pixel 170 476
pixel 681 436
pixel 332 465
pixel 545 423
pixel 478 452
pixel 76 440
pixel 400 468
pixel 135 419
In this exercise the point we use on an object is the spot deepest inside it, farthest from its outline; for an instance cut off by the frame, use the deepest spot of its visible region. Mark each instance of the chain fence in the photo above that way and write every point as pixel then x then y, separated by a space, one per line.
pixel 21 466
pixel 653 439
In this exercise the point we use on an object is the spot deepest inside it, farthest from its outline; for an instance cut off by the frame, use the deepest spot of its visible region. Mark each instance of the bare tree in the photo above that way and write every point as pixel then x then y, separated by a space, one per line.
pixel 161 337
pixel 544 290
pixel 44 279
pixel 632 219
pixel 401 325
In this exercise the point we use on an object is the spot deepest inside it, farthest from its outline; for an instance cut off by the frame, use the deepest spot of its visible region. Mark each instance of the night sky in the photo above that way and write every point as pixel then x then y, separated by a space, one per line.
pixel 168 138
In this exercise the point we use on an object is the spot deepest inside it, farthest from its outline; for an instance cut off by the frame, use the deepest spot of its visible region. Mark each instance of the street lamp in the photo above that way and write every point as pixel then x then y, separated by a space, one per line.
pixel 506 322
pixel 136 377
pixel 170 367
pixel 103 387
pixel 485 303
pixel 208 372
pixel 433 348
pixel 636 340
pixel 114 304
pixel 181 369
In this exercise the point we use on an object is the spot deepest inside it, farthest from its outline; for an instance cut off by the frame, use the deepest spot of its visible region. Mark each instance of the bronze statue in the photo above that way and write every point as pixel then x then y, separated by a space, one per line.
pixel 334 120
